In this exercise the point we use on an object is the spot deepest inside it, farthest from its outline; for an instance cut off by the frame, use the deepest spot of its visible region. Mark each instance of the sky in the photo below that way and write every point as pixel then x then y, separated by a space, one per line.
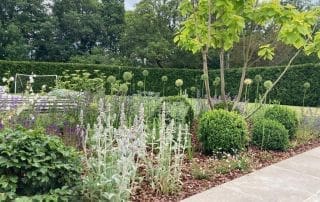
pixel 129 4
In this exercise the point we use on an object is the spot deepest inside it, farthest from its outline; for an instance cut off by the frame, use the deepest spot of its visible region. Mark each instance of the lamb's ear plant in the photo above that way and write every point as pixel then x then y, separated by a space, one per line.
pixel 115 155
pixel 167 155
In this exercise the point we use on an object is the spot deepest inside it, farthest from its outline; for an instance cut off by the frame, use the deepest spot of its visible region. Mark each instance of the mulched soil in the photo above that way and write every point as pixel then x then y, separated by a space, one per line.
pixel 192 185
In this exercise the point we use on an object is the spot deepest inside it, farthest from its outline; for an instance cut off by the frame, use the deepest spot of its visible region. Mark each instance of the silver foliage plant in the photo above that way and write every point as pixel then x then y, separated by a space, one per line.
pixel 116 154
pixel 167 155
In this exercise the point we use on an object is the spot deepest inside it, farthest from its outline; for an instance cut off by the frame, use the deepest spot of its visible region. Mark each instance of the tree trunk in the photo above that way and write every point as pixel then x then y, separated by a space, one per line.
pixel 223 92
pixel 243 76
pixel 228 60
pixel 205 72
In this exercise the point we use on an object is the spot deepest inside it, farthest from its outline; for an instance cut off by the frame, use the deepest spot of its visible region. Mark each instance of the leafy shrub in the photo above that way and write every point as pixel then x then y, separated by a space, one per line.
pixel 177 108
pixel 270 134
pixel 33 163
pixel 285 116
pixel 221 105
pixel 223 131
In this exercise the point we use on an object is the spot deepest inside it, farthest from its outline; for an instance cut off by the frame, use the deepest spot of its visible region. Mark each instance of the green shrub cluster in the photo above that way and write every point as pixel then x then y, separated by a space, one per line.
pixel 32 163
pixel 177 108
pixel 222 105
pixel 223 131
pixel 288 91
pixel 287 117
pixel 270 134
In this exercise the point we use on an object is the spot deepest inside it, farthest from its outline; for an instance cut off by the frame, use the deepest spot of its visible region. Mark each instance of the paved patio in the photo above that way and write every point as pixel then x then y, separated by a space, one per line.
pixel 293 180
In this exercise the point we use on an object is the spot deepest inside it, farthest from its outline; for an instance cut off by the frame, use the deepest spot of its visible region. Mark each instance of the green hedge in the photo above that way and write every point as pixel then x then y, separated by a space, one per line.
pixel 288 91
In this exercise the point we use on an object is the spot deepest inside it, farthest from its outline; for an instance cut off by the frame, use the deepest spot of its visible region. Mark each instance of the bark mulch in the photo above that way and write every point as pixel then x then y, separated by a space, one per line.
pixel 191 184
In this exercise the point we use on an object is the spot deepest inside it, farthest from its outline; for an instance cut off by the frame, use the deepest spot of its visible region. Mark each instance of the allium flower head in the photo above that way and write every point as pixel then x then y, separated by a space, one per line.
pixel 193 89
pixel 248 82
pixel 164 78
pixel 123 88
pixel 127 76
pixel 258 78
pixel 140 84
pixel 267 84
pixel 204 77
pixel 179 82
pixel 111 79
pixel 145 73
pixel 306 85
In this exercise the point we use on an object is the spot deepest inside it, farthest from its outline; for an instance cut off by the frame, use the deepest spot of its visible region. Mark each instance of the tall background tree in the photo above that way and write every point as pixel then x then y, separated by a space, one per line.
pixel 102 32
pixel 149 32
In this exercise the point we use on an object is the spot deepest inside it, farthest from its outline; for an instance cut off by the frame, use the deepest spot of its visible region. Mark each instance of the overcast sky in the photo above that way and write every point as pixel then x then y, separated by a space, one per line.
pixel 129 4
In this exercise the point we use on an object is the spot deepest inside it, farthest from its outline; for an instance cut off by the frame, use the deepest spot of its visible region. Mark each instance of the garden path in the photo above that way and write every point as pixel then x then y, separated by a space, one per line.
pixel 294 180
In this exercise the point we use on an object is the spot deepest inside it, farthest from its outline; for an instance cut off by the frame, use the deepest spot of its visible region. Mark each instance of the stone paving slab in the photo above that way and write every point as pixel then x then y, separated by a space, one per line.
pixel 293 180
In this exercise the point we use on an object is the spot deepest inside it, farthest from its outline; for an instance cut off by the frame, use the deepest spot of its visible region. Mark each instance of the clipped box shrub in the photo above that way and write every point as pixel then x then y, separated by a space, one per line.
pixel 32 163
pixel 223 131
pixel 285 116
pixel 270 134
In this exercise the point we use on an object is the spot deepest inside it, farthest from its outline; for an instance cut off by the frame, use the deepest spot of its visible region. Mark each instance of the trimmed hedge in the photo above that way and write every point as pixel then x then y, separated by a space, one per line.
pixel 288 91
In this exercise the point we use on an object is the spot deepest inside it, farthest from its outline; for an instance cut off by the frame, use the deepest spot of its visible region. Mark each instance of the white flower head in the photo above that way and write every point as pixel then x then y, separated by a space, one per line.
pixel 4 79
pixel 11 79
pixel 248 81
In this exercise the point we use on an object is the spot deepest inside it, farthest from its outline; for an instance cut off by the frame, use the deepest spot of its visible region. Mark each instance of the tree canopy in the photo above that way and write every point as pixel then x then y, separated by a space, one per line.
pixel 101 31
